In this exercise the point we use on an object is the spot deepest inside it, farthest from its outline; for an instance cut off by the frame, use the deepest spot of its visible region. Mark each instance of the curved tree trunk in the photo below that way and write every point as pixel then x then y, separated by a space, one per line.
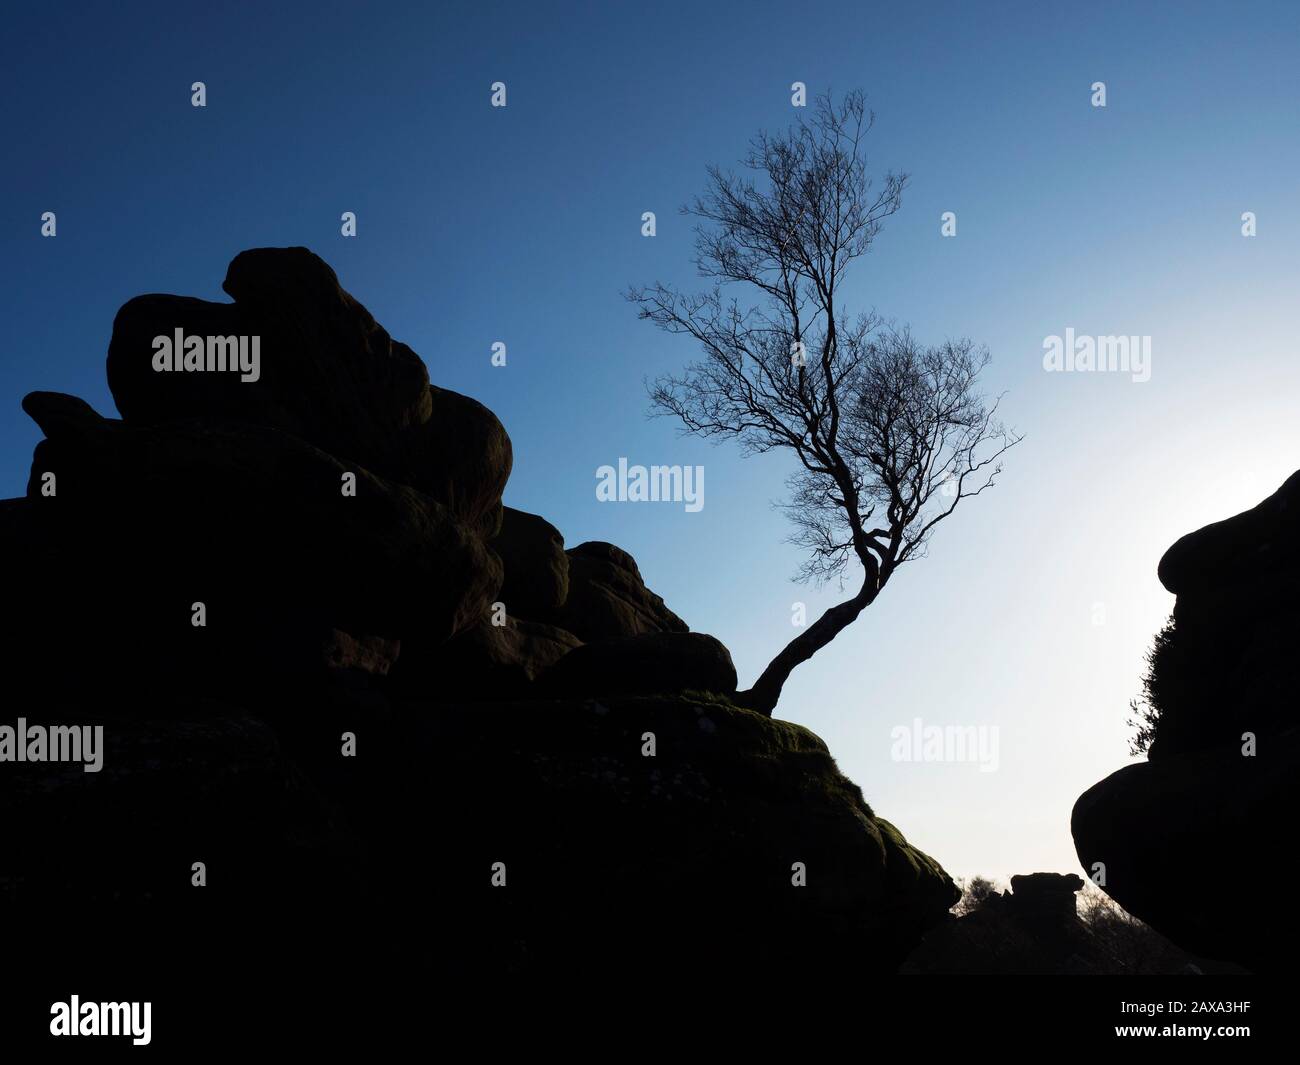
pixel 763 696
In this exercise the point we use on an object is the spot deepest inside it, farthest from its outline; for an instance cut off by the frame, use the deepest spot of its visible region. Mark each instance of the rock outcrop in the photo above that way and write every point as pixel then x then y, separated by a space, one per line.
pixel 329 374
pixel 250 522
pixel 607 598
pixel 652 662
pixel 331 667
pixel 1192 840
pixel 487 662
pixel 1046 900
pixel 1041 927
pixel 536 566
pixel 1032 929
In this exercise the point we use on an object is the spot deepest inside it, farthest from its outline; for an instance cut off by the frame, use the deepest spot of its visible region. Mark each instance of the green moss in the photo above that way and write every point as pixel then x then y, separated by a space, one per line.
pixel 921 862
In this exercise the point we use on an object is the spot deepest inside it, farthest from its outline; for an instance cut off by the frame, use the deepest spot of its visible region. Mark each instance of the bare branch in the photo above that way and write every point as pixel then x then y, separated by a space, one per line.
pixel 889 435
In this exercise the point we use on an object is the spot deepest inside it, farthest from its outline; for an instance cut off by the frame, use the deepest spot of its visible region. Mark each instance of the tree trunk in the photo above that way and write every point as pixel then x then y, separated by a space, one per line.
pixel 763 696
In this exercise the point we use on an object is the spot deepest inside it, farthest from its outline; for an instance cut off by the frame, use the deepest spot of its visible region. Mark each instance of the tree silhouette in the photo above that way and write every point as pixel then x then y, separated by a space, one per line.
pixel 1161 688
pixel 889 434
pixel 975 891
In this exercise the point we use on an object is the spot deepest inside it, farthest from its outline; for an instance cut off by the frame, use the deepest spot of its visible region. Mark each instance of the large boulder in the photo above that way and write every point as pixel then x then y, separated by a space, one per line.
pixel 738 850
pixel 1224 753
pixel 608 599
pixel 1260 540
pixel 249 521
pixel 329 374
pixel 536 568
pixel 1222 668
pixel 694 853
pixel 1046 898
pixel 1194 844
pixel 653 663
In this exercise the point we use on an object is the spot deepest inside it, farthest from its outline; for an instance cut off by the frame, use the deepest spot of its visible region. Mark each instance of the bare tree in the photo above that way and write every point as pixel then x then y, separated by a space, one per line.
pixel 889 434
pixel 975 892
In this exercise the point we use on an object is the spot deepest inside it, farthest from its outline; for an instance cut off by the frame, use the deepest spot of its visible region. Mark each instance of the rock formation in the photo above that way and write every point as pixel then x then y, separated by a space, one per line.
pixel 1193 841
pixel 1033 928
pixel 1039 928
pixel 240 578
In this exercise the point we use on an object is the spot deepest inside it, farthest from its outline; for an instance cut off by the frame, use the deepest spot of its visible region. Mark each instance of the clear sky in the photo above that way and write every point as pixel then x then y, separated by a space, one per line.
pixel 523 225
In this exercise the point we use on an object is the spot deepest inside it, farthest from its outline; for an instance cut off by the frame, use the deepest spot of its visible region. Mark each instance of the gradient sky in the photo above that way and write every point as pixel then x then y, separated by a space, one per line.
pixel 523 225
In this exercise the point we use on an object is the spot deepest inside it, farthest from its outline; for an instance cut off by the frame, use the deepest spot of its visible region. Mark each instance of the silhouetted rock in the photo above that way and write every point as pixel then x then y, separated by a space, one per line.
pixel 362 654
pixel 536 567
pixel 348 737
pixel 485 662
pixel 329 374
pixel 1189 840
pixel 248 521
pixel 689 853
pixel 652 663
pixel 208 782
pixel 1190 844
pixel 1046 897
pixel 1223 667
pixel 1260 540
pixel 608 599
pixel 1032 929
pixel 1039 928
pixel 693 848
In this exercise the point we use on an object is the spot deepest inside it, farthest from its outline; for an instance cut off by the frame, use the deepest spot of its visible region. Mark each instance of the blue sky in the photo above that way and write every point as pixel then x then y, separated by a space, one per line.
pixel 522 225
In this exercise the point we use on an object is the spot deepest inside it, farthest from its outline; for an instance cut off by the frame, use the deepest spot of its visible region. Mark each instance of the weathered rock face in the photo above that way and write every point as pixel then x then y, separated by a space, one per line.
pixel 1046 898
pixel 1223 669
pixel 1181 836
pixel 329 374
pixel 1249 545
pixel 487 662
pixel 1032 929
pixel 346 653
pixel 348 731
pixel 692 846
pixel 1039 928
pixel 608 599
pixel 1191 844
pixel 209 781
pixel 253 524
pixel 654 662
pixel 537 569
pixel 615 863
